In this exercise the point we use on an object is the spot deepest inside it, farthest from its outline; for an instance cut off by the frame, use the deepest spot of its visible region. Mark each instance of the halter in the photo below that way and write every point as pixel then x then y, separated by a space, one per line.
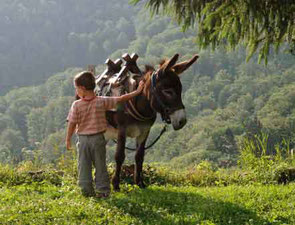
pixel 165 110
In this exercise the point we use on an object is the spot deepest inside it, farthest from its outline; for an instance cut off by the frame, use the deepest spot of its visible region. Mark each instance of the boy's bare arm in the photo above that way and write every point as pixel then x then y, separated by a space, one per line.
pixel 70 130
pixel 128 96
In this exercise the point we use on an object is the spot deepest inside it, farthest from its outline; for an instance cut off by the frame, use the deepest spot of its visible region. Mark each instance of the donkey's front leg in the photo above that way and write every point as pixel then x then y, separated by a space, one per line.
pixel 119 157
pixel 139 157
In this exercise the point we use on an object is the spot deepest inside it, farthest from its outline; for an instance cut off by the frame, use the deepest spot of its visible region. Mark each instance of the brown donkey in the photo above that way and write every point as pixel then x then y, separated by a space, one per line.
pixel 161 94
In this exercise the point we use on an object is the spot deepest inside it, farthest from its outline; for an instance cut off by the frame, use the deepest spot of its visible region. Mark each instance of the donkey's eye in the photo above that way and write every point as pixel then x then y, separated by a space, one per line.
pixel 168 93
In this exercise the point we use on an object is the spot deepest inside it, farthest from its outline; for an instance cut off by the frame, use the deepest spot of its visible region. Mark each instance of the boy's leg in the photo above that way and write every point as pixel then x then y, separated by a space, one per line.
pixel 102 180
pixel 84 166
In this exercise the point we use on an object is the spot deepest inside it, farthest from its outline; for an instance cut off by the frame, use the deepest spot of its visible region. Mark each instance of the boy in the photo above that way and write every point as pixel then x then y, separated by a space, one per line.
pixel 87 118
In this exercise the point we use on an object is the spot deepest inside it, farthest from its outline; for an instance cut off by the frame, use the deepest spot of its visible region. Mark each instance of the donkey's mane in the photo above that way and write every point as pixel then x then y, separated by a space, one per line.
pixel 146 78
pixel 149 69
pixel 163 61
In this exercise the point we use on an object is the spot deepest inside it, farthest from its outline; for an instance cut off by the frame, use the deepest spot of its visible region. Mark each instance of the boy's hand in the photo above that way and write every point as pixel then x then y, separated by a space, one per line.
pixel 68 144
pixel 129 96
pixel 70 130
pixel 140 86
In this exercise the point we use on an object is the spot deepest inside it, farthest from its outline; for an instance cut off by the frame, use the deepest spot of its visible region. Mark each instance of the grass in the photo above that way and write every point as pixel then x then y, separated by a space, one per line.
pixel 35 194
pixel 46 203
pixel 31 193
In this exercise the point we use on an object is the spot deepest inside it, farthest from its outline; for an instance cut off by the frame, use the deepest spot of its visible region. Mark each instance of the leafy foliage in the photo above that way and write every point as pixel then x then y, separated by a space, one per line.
pixel 258 24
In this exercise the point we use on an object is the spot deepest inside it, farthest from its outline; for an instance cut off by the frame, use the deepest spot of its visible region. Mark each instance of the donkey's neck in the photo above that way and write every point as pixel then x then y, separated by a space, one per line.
pixel 143 101
pixel 143 106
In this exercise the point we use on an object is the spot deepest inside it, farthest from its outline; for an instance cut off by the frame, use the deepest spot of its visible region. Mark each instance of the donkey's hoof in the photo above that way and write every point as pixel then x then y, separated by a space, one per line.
pixel 115 183
pixel 141 185
pixel 116 189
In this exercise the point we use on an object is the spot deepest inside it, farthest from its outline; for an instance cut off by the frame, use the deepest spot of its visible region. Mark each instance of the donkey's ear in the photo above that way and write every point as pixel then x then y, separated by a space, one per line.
pixel 171 62
pixel 181 67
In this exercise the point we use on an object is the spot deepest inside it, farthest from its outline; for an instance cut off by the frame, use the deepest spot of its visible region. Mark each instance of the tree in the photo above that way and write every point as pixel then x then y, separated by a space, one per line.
pixel 36 125
pixel 258 24
pixel 53 146
pixel 12 142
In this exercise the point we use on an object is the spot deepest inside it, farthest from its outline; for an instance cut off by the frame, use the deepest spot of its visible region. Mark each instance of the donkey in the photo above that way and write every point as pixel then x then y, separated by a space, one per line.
pixel 161 94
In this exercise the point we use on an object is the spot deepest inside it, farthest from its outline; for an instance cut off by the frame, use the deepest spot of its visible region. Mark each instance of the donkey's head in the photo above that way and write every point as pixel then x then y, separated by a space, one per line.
pixel 166 88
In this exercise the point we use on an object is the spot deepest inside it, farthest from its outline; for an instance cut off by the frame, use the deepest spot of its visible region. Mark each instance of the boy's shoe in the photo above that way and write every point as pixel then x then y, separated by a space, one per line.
pixel 102 195
pixel 88 194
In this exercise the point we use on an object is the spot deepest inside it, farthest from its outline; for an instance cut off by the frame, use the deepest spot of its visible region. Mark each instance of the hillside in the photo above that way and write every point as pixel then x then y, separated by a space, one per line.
pixel 222 108
pixel 226 98
pixel 40 38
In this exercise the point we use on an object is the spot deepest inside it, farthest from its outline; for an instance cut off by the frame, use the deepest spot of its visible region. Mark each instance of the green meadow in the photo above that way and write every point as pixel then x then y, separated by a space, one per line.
pixel 52 197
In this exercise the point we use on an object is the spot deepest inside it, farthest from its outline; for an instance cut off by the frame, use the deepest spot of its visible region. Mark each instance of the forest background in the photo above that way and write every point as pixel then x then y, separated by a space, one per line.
pixel 43 44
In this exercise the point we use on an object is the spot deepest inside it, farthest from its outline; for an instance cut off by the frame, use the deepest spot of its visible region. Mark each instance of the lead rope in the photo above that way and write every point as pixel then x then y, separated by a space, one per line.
pixel 164 129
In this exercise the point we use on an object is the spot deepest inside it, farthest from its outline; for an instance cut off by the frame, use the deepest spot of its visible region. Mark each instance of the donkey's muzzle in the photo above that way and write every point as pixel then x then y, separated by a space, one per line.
pixel 180 124
pixel 178 119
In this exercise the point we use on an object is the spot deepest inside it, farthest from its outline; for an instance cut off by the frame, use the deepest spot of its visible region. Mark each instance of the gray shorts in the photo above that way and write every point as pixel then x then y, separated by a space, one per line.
pixel 92 151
